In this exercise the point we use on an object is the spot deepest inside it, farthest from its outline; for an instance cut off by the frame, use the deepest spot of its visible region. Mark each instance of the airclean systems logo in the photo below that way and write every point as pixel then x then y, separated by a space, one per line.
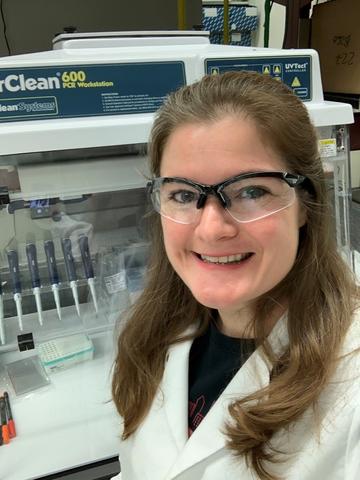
pixel 17 83
pixel 27 107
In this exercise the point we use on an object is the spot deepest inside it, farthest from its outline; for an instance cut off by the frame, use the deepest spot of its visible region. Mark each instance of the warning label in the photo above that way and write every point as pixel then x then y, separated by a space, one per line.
pixel 296 82
pixel 327 147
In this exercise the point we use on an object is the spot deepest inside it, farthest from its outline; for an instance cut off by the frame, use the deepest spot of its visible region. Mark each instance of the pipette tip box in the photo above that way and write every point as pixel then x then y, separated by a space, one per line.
pixel 64 352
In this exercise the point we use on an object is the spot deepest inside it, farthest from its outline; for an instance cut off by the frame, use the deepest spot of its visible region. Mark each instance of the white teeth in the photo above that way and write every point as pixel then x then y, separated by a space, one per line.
pixel 228 259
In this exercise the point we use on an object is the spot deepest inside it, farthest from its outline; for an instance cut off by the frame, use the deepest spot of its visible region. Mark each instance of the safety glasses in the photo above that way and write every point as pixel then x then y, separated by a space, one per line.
pixel 247 197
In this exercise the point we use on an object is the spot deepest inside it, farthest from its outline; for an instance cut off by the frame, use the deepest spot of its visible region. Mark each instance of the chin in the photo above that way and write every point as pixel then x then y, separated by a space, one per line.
pixel 212 301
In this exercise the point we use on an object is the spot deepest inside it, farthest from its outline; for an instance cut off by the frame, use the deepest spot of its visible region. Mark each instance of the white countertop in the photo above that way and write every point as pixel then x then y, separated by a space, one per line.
pixel 69 423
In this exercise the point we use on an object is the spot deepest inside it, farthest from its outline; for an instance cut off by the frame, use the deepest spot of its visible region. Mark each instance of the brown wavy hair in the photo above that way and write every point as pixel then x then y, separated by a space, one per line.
pixel 320 290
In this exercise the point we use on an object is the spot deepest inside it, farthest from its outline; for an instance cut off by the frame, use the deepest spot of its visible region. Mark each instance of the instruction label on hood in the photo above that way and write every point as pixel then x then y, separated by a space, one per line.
pixel 65 91
pixel 294 71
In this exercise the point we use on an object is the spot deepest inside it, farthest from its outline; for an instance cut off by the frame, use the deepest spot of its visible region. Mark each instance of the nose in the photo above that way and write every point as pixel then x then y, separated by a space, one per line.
pixel 215 222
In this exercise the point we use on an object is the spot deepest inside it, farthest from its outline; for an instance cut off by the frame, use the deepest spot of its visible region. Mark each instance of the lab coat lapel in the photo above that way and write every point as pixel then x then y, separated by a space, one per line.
pixel 207 438
pixel 175 391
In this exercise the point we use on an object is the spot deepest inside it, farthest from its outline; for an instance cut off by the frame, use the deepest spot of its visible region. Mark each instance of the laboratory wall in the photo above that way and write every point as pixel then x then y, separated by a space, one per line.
pixel 355 168
pixel 30 25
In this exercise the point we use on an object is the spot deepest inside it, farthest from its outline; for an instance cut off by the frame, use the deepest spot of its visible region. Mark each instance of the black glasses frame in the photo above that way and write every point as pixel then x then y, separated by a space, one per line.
pixel 293 180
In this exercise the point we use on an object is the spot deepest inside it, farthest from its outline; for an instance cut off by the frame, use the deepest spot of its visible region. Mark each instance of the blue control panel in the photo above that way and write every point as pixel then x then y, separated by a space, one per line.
pixel 294 71
pixel 67 91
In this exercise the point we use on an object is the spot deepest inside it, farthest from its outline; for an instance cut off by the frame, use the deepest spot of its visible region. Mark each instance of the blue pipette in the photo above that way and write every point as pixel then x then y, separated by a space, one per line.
pixel 53 273
pixel 35 277
pixel 88 267
pixel 71 270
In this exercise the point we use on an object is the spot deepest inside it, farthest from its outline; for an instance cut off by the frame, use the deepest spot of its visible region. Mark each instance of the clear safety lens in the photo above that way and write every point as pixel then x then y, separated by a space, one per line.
pixel 177 201
pixel 253 198
pixel 246 199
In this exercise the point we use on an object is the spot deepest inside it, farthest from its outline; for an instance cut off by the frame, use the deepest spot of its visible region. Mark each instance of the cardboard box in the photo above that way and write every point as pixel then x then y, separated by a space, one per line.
pixel 336 36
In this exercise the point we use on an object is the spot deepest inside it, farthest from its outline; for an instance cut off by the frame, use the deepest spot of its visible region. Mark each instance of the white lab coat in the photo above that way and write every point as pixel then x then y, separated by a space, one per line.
pixel 161 450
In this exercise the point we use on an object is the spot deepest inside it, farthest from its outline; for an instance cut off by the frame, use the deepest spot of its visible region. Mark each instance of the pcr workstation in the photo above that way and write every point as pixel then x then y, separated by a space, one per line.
pixel 74 123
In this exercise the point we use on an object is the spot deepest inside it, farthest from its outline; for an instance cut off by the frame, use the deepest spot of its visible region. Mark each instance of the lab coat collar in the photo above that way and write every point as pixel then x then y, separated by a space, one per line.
pixel 252 376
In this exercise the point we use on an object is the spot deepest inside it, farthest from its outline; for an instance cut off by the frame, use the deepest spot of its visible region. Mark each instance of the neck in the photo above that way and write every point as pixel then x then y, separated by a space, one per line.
pixel 240 323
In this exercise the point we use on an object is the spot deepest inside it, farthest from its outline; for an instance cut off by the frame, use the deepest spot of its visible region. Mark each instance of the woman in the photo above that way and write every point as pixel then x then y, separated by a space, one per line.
pixel 240 359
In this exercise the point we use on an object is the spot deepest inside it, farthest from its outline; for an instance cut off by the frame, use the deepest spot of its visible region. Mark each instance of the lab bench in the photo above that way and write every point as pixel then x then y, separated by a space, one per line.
pixel 69 423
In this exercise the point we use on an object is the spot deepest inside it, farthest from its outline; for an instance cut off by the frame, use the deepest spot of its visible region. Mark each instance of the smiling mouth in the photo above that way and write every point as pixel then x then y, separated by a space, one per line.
pixel 224 260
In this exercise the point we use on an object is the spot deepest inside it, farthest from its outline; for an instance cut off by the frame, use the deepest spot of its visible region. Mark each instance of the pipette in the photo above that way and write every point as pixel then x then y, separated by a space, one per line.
pixel 35 277
pixel 2 327
pixel 89 271
pixel 53 273
pixel 16 283
pixel 70 270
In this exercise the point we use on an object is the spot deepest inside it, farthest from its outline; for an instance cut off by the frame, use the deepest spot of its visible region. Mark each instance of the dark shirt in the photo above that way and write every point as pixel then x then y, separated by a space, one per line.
pixel 214 360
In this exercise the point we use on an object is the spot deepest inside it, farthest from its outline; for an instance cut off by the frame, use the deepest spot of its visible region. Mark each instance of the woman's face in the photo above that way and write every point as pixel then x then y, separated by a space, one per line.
pixel 209 153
